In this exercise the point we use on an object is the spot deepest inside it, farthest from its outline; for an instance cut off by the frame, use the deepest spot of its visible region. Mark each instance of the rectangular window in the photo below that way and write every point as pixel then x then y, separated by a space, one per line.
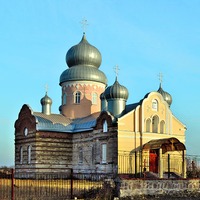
pixel 80 155
pixel 21 155
pixel 77 97
pixel 29 154
pixel 64 99
pixel 104 153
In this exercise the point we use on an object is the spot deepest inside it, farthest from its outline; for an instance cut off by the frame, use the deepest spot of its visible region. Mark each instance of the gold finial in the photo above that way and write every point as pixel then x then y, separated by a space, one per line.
pixel 84 24
pixel 116 70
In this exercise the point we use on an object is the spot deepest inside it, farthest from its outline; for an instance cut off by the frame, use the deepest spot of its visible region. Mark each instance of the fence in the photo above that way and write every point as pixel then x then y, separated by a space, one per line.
pixel 60 186
pixel 135 165
pixel 50 186
pixel 193 166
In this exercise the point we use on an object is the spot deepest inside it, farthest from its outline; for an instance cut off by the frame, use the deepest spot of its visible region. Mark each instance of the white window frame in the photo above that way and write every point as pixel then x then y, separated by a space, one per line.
pixel 77 97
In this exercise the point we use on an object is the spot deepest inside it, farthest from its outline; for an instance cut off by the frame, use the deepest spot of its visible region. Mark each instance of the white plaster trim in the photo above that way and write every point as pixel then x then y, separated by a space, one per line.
pixel 82 83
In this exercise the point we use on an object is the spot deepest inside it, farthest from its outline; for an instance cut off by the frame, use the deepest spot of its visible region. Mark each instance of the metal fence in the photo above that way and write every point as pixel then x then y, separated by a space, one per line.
pixel 133 165
pixel 60 186
pixel 50 186
pixel 193 166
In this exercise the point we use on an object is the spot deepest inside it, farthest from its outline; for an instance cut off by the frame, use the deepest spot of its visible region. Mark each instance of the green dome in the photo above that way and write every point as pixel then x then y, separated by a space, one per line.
pixel 116 91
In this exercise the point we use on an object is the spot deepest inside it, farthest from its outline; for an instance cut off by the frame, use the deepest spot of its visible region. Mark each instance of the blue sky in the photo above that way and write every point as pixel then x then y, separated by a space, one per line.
pixel 142 37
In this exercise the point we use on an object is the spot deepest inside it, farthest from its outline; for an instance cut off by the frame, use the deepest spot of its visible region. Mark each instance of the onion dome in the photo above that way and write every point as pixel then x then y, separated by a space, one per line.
pixel 116 91
pixel 46 100
pixel 46 104
pixel 102 96
pixel 83 61
pixel 83 54
pixel 166 96
pixel 83 73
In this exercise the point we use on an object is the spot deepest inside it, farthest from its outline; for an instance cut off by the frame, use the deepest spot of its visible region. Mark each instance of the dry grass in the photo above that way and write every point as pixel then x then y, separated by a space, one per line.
pixel 29 189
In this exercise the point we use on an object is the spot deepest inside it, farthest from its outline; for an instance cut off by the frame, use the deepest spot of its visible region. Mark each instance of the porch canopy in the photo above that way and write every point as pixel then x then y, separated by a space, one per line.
pixel 167 144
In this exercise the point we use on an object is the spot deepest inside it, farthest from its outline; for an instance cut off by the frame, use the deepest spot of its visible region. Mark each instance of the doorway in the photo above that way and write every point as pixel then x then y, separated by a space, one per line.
pixel 153 160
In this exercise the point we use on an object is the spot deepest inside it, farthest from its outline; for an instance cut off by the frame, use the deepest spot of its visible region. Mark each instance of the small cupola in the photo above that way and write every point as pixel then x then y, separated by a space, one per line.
pixel 46 103
pixel 116 91
pixel 116 95
pixel 166 96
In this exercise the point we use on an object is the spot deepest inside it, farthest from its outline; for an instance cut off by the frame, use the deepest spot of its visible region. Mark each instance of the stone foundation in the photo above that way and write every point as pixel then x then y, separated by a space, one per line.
pixel 130 188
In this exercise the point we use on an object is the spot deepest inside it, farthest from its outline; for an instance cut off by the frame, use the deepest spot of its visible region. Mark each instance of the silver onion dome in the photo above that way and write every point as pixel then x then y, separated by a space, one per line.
pixel 46 104
pixel 83 73
pixel 102 96
pixel 83 54
pixel 83 61
pixel 46 100
pixel 116 91
pixel 166 96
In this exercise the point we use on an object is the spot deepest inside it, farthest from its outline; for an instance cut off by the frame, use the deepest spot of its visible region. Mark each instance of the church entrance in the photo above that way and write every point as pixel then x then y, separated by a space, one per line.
pixel 153 161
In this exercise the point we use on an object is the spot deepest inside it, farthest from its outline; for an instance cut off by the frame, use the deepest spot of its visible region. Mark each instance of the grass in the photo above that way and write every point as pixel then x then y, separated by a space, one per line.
pixel 27 189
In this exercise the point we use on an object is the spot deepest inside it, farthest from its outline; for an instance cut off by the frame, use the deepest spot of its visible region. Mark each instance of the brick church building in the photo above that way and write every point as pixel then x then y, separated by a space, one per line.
pixel 96 131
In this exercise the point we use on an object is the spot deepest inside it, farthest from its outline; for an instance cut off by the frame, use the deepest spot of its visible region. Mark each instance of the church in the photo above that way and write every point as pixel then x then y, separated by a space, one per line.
pixel 96 131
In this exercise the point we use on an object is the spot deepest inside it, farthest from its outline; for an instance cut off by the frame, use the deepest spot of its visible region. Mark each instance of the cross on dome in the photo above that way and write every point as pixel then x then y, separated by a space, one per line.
pixel 46 88
pixel 160 76
pixel 84 24
pixel 116 70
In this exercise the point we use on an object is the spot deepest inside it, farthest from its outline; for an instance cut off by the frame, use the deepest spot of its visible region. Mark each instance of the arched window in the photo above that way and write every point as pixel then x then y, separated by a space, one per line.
pixel 21 154
pixel 105 126
pixel 25 131
pixel 64 99
pixel 94 98
pixel 104 153
pixel 155 122
pixel 29 154
pixel 162 127
pixel 80 156
pixel 148 125
pixel 77 97
pixel 155 105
